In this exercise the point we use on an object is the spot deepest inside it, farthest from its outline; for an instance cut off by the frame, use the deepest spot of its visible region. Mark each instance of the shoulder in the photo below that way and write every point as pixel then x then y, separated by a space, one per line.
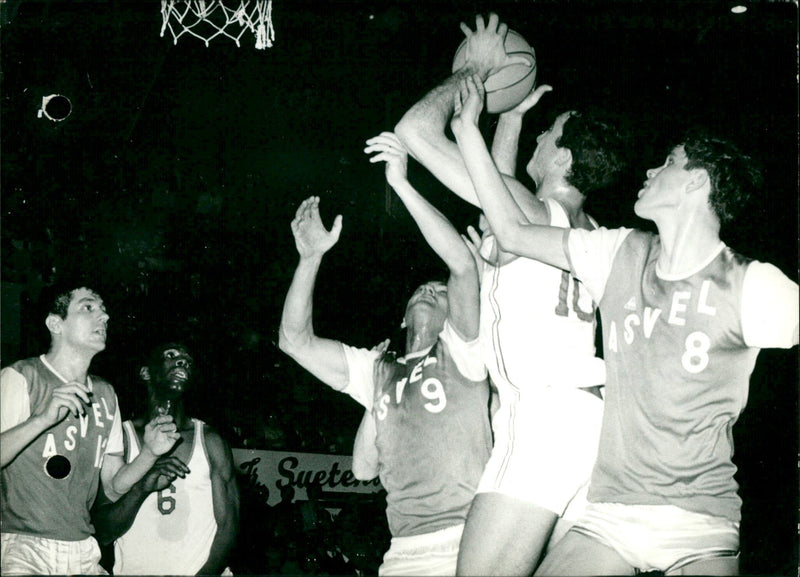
pixel 100 386
pixel 219 451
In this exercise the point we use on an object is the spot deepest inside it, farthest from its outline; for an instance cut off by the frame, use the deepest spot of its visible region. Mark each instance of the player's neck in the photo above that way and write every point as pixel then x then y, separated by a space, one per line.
pixel 420 338
pixel 70 365
pixel 686 243
pixel 564 193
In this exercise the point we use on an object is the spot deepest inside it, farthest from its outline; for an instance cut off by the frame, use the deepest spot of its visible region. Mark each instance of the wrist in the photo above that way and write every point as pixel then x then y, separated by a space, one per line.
pixel 147 454
pixel 471 68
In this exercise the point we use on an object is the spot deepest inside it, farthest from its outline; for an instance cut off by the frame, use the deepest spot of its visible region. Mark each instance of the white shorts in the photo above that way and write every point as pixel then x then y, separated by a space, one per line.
pixel 545 446
pixel 29 555
pixel 659 537
pixel 427 554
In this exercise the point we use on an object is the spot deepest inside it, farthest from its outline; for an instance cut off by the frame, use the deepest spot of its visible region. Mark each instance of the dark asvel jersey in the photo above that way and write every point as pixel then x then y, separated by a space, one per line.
pixel 433 439
pixel 42 494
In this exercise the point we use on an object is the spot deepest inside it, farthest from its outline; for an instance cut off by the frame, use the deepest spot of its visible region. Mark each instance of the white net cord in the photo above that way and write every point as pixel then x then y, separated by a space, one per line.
pixel 207 19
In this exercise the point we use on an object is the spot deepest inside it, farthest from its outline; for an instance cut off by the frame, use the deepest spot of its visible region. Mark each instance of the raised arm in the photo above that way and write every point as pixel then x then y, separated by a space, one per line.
pixel 225 495
pixel 505 145
pixel 440 234
pixel 422 128
pixel 511 227
pixel 324 358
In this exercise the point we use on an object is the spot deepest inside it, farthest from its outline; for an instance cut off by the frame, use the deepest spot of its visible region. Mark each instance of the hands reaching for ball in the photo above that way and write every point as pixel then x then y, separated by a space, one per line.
pixel 388 148
pixel 468 105
pixel 485 49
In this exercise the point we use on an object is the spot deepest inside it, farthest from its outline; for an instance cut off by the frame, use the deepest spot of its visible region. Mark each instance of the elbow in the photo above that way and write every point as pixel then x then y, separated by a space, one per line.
pixel 409 134
pixel 507 241
pixel 363 473
pixel 288 343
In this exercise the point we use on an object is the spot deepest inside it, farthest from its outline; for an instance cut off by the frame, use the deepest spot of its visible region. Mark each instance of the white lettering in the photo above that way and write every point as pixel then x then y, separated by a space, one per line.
pixel 650 317
pixel 109 414
pixel 383 407
pixel 416 373
pixel 84 421
pixel 100 453
pixel 432 389
pixel 702 306
pixel 429 361
pixel 98 418
pixel 49 446
pixel 401 384
pixel 69 443
pixel 695 359
pixel 627 332
pixel 678 306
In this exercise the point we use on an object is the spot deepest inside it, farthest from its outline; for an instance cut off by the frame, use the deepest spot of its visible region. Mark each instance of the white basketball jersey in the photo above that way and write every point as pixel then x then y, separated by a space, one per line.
pixel 174 528
pixel 537 322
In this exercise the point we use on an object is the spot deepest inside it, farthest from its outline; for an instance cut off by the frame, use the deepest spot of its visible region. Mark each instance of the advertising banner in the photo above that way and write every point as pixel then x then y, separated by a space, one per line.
pixel 276 469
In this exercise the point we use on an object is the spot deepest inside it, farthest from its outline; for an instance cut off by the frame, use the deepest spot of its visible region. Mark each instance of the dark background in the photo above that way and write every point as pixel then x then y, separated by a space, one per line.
pixel 174 178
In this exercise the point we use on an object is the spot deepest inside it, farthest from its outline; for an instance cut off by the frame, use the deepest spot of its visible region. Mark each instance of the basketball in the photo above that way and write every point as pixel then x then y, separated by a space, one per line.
pixel 511 84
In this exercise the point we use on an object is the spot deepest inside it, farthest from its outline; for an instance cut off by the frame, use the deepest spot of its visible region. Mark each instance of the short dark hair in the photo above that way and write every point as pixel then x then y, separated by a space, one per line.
pixel 733 175
pixel 597 147
pixel 56 298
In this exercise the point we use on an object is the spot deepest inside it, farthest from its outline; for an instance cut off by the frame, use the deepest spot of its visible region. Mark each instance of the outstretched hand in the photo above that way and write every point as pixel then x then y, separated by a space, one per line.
pixel 310 235
pixel 485 50
pixel 468 104
pixel 387 148
pixel 531 100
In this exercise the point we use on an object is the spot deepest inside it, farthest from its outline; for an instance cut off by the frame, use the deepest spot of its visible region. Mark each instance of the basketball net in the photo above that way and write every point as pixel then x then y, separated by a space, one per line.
pixel 207 19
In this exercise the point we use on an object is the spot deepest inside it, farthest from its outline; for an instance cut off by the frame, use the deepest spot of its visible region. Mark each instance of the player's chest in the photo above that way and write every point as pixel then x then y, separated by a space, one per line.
pixel 423 388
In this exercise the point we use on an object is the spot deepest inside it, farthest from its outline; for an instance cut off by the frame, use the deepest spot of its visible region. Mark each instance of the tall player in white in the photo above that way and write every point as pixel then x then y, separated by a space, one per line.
pixel 684 317
pixel 537 326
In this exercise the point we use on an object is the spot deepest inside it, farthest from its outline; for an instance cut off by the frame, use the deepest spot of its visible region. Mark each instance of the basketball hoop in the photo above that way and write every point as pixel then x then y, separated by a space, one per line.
pixel 207 19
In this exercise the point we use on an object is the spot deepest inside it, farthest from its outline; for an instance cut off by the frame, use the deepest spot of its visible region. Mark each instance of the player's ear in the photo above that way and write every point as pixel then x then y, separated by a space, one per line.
pixel 564 157
pixel 53 323
pixel 144 374
pixel 698 179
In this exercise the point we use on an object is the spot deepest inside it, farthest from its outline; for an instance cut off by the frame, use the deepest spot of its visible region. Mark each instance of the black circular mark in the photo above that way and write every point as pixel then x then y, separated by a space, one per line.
pixel 58 467
pixel 58 107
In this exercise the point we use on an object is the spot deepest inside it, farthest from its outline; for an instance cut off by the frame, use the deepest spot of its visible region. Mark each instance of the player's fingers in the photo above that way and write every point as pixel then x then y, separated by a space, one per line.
pixel 336 227
pixel 480 26
pixel 513 60
pixel 473 235
pixel 76 389
pixel 69 401
pixel 465 29
pixel 502 30
pixel 494 19
pixel 300 209
pixel 478 86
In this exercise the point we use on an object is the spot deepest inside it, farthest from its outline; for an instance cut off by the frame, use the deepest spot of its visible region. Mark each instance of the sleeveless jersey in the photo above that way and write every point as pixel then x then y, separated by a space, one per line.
pixel 537 323
pixel 433 437
pixel 678 373
pixel 49 488
pixel 174 528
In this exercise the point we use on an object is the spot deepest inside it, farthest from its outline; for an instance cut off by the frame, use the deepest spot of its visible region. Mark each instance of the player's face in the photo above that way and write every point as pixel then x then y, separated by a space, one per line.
pixel 174 370
pixel 664 186
pixel 430 297
pixel 543 160
pixel 86 323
